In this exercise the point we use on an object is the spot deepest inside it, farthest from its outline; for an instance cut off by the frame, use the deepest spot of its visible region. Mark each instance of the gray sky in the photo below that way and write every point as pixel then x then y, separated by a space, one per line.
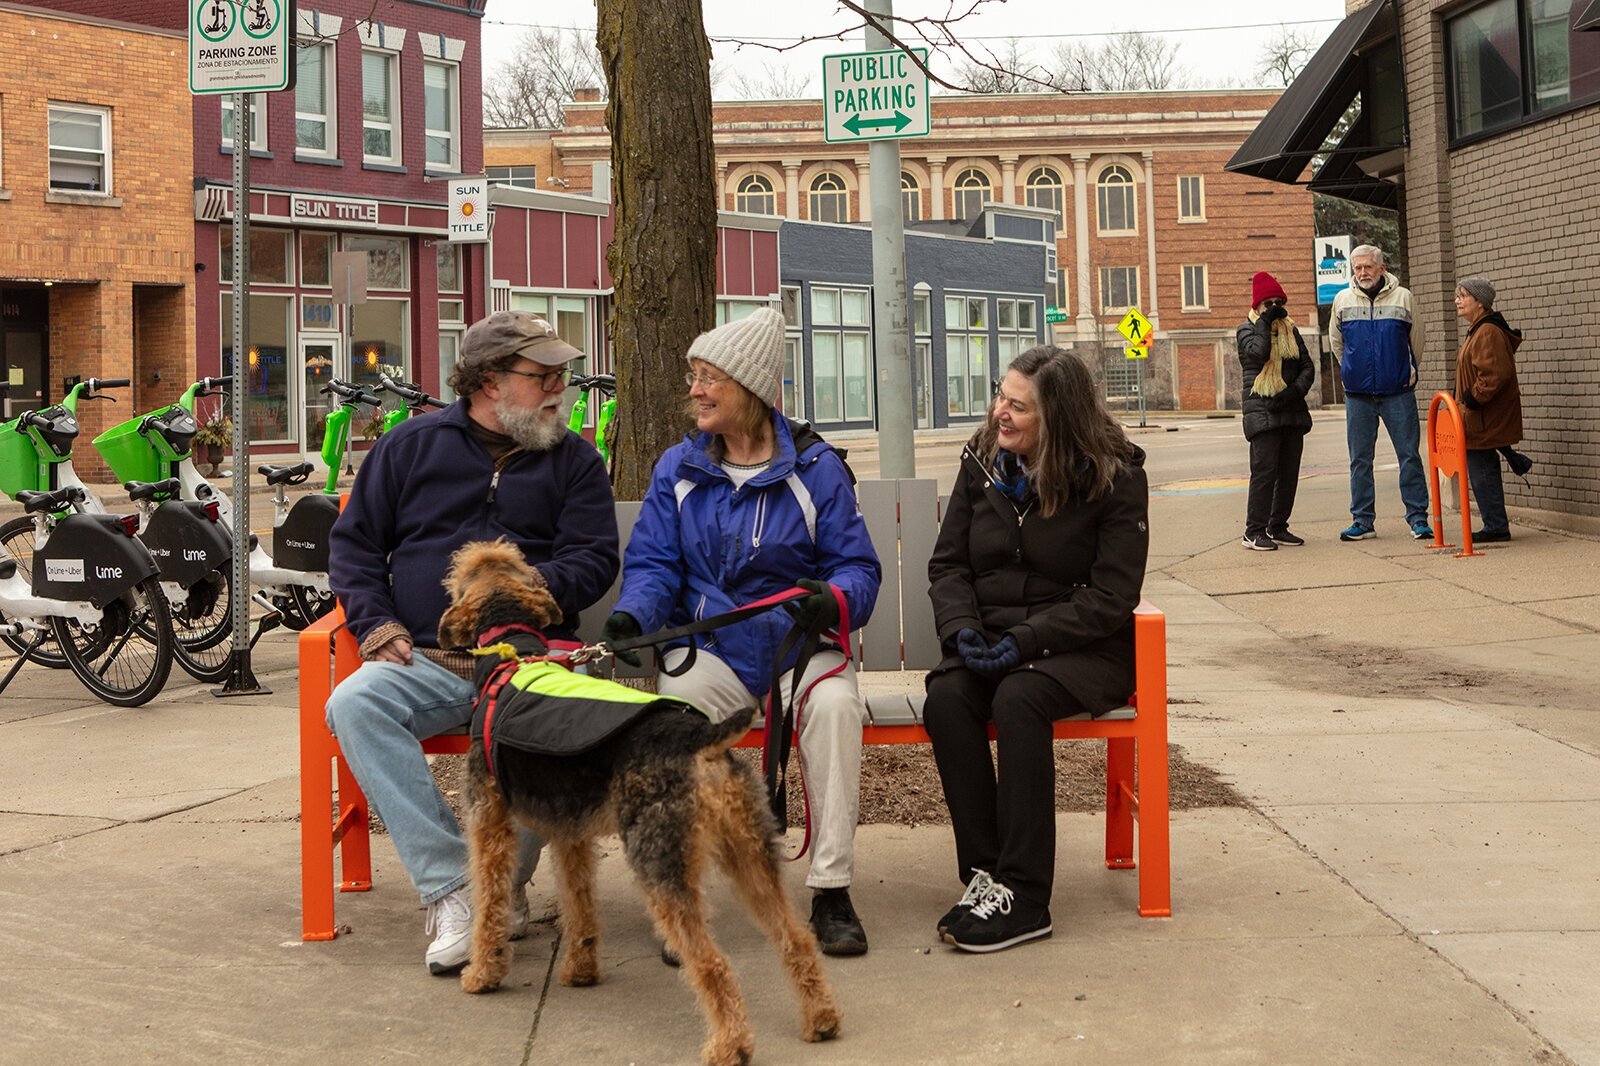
pixel 1213 55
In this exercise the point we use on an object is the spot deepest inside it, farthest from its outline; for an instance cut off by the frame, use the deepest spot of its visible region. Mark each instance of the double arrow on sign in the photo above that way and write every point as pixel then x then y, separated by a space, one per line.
pixel 855 123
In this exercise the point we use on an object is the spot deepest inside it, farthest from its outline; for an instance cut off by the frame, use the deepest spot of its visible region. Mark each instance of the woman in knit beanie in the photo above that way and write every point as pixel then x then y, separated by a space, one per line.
pixel 749 505
pixel 1277 375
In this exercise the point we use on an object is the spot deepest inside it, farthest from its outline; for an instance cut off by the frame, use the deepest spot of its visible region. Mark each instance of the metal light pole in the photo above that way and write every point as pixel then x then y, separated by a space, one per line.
pixel 890 322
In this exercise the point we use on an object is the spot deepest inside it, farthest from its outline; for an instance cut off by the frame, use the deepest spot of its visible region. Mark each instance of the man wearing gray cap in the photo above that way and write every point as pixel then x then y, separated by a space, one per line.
pixel 497 463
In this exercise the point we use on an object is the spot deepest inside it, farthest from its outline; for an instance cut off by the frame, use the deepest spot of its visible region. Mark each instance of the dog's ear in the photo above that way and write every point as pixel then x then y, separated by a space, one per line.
pixel 541 606
pixel 458 626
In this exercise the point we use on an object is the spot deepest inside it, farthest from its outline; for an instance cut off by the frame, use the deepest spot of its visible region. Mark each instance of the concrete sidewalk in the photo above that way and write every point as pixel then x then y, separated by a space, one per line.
pixel 1415 880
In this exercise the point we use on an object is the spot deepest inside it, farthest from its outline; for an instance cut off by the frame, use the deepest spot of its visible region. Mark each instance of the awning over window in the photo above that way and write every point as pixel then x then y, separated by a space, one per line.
pixel 1590 19
pixel 1298 124
pixel 1352 172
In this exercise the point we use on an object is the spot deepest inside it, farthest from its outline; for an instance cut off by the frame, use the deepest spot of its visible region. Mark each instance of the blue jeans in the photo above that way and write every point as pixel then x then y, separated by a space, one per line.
pixel 380 713
pixel 1488 494
pixel 1399 416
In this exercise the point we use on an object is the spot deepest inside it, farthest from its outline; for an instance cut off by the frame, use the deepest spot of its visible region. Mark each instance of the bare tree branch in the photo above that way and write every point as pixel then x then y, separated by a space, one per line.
pixel 1121 63
pixel 776 82
pixel 542 75
pixel 1284 55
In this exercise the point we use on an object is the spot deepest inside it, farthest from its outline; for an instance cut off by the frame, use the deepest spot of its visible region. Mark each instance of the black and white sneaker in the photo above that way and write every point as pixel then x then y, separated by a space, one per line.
pixel 999 921
pixel 1283 536
pixel 977 888
pixel 1259 542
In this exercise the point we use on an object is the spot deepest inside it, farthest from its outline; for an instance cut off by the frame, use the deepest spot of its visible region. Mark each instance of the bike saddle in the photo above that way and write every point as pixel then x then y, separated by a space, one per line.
pixel 58 500
pixel 286 475
pixel 152 490
pixel 8 568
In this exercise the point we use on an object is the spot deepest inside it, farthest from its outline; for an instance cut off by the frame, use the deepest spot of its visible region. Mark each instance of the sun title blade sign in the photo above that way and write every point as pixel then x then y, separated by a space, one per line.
pixel 873 96
pixel 241 46
pixel 469 210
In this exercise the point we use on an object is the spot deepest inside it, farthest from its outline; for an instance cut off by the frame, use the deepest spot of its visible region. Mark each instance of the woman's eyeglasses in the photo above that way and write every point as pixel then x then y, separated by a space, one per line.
pixel 692 380
pixel 547 379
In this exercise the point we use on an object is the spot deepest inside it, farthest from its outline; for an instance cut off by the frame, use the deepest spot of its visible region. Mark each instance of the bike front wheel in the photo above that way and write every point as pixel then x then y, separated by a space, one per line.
pixel 135 642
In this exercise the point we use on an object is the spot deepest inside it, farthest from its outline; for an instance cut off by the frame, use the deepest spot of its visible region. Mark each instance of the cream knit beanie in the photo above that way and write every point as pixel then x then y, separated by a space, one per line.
pixel 750 351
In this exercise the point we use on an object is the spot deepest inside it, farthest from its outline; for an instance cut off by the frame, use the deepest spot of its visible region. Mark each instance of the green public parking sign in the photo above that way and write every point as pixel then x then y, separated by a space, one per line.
pixel 875 96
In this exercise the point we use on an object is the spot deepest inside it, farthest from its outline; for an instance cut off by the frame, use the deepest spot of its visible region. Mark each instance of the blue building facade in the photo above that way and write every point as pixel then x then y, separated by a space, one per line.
pixel 978 292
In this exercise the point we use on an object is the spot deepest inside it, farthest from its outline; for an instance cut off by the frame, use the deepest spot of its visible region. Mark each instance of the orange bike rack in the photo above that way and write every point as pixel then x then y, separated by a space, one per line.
pixel 1447 454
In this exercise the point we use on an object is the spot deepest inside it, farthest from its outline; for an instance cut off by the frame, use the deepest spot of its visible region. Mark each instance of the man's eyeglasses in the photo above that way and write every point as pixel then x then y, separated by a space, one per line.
pixel 547 379
pixel 692 380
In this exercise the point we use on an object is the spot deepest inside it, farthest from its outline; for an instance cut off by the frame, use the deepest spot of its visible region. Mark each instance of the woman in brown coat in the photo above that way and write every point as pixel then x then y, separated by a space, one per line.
pixel 1486 387
pixel 1034 580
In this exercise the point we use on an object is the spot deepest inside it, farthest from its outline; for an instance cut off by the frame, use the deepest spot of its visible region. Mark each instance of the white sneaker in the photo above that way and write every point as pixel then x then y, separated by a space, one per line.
pixel 519 913
pixel 450 920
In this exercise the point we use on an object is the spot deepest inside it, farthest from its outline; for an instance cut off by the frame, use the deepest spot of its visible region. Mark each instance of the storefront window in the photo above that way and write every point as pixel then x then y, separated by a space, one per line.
pixel 316 255
pixel 378 344
pixel 825 377
pixel 857 377
pixel 533 304
pixel 387 258
pixel 268 251
pixel 448 257
pixel 268 377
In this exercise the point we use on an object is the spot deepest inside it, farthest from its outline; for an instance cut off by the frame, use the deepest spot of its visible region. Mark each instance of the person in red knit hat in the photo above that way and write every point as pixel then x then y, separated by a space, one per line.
pixel 1277 375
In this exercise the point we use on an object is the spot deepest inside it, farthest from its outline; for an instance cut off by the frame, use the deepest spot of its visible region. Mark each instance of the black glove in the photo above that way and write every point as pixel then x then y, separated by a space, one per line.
pixel 1273 313
pixel 816 612
pixel 971 645
pixel 1283 400
pixel 1002 658
pixel 1469 401
pixel 619 627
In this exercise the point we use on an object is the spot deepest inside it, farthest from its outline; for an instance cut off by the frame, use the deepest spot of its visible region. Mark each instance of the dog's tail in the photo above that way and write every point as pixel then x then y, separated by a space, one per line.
pixel 728 732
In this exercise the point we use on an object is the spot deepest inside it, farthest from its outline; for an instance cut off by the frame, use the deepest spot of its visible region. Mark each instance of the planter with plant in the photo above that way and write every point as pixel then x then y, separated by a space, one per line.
pixel 214 437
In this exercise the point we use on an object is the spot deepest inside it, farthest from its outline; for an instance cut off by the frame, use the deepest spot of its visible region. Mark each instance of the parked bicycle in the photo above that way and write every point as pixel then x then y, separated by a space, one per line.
pixel 606 386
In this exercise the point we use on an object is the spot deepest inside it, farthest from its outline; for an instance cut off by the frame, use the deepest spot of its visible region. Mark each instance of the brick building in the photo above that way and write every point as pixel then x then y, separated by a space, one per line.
pixel 96 237
pixel 1144 208
pixel 387 105
pixel 1480 122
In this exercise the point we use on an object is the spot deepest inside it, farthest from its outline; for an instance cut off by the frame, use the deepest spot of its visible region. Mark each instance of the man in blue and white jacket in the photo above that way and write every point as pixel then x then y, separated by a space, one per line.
pixel 1378 343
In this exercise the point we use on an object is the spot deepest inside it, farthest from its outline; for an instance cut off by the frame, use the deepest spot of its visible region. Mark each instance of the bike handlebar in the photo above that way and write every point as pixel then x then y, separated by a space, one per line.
pixel 351 393
pixel 606 383
pixel 96 384
pixel 411 394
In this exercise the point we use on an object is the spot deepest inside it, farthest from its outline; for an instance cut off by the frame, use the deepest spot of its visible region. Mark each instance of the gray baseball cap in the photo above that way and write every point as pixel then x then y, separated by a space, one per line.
pixel 507 333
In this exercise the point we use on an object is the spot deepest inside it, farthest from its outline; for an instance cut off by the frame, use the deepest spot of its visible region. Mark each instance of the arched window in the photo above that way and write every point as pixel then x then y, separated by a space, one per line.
pixel 830 201
pixel 755 196
pixel 972 192
pixel 1044 190
pixel 1115 195
pixel 910 197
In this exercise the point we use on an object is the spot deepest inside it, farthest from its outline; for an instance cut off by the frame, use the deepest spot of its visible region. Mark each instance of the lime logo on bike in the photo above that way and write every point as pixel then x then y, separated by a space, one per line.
pixel 104 572
pixel 63 570
pixel 194 555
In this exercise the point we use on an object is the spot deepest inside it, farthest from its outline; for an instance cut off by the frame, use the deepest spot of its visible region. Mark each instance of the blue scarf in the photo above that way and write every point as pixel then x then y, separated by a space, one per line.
pixel 1011 477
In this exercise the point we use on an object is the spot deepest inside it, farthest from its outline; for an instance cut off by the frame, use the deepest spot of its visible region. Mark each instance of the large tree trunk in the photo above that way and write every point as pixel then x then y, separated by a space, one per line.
pixel 663 258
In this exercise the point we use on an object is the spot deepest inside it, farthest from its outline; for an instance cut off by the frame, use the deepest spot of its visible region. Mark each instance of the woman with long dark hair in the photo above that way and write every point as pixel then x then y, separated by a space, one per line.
pixel 1034 579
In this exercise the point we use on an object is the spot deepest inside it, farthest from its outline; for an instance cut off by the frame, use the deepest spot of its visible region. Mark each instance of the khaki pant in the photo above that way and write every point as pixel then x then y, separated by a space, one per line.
pixel 830 722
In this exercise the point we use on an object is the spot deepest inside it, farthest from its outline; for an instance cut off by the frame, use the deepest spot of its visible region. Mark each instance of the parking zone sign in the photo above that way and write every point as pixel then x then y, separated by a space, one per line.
pixel 241 46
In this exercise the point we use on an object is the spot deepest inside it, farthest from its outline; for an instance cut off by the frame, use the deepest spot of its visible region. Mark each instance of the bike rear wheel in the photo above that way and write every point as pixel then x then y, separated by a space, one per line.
pixel 16 536
pixel 202 623
pixel 310 605
pixel 135 639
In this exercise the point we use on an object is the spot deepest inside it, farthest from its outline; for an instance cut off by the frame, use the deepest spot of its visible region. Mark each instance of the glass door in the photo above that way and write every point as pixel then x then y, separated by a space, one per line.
pixel 320 359
pixel 924 384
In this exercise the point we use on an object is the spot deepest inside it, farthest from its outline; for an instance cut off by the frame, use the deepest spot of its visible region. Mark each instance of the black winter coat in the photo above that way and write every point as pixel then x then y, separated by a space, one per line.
pixel 1288 408
pixel 1065 587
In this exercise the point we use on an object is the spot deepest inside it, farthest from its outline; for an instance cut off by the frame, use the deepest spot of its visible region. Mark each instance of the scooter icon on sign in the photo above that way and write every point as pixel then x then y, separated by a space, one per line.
pixel 219 17
pixel 260 17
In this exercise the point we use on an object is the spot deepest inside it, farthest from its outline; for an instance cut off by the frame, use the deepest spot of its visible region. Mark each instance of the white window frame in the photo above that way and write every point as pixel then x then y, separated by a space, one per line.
pixel 392 60
pixel 1105 285
pixel 511 176
pixel 346 239
pixel 840 325
pixel 978 184
pixel 1056 187
pixel 753 187
pixel 258 121
pixel 104 115
pixel 1127 190
pixel 1196 276
pixel 1198 199
pixel 831 185
pixel 452 75
pixel 910 197
pixel 330 102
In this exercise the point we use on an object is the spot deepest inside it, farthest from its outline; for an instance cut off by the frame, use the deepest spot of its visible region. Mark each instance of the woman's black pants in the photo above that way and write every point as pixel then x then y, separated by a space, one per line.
pixel 1005 826
pixel 1274 477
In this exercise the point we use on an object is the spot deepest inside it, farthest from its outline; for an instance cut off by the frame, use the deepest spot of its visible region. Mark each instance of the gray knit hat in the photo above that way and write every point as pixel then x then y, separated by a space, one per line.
pixel 750 351
pixel 1480 289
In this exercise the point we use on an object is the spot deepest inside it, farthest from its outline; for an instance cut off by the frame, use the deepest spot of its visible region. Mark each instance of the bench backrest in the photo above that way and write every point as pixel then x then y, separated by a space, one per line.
pixel 902 518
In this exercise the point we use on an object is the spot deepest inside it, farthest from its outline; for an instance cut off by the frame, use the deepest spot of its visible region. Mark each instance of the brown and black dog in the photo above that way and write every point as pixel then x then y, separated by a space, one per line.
pixel 667 785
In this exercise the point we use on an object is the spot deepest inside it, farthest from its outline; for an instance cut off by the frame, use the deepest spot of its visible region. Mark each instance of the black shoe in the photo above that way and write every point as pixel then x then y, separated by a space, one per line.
pixel 1520 464
pixel 834 921
pixel 1483 536
pixel 1259 542
pixel 977 888
pixel 1283 536
pixel 998 922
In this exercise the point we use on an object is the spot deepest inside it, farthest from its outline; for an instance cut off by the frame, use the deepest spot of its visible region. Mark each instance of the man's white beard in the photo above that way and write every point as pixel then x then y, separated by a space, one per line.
pixel 530 427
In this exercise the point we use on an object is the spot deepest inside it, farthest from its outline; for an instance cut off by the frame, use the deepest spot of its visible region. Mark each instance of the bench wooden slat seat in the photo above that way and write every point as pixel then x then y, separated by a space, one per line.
pixel 902 518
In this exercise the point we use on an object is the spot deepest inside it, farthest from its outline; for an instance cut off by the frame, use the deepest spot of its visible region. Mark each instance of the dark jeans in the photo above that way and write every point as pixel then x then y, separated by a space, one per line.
pixel 1005 826
pixel 1488 494
pixel 1274 477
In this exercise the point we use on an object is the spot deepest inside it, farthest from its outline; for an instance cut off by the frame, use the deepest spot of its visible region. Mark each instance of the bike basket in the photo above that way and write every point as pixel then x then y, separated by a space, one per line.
pixel 140 448
pixel 19 464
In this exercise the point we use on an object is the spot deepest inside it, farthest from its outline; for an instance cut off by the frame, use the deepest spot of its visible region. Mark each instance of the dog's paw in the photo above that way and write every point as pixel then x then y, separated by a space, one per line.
pixel 579 976
pixel 475 979
pixel 823 1026
pixel 729 1052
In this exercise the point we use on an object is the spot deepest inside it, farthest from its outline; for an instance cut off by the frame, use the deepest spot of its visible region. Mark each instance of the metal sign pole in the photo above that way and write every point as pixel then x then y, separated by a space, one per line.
pixel 896 407
pixel 241 679
pixel 1139 363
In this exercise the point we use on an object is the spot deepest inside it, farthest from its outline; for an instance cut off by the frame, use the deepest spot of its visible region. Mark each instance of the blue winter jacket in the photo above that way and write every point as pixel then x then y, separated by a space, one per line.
pixel 701 546
pixel 1375 339
pixel 428 487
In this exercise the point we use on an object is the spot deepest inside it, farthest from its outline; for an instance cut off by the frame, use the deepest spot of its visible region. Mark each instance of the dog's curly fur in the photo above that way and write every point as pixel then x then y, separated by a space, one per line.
pixel 668 786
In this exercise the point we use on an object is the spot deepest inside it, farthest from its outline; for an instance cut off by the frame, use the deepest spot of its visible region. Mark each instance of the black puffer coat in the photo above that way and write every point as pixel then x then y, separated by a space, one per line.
pixel 1064 587
pixel 1286 409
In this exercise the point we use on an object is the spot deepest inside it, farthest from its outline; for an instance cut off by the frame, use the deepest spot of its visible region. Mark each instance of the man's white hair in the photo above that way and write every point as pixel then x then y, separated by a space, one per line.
pixel 1368 251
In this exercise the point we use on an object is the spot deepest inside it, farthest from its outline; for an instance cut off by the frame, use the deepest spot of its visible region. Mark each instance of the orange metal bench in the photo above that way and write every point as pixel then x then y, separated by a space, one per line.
pixel 1136 771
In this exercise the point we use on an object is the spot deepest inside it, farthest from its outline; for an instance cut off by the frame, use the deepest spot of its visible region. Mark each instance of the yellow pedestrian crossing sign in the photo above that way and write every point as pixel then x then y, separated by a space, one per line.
pixel 1136 328
pixel 1140 352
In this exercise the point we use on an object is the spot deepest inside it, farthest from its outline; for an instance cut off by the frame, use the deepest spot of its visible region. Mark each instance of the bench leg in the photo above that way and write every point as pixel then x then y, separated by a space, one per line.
pixel 355 846
pixel 1119 804
pixel 1155 858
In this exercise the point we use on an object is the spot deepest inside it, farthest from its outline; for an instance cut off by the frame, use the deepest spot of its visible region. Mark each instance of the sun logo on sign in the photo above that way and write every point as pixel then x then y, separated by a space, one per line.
pixel 466 209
